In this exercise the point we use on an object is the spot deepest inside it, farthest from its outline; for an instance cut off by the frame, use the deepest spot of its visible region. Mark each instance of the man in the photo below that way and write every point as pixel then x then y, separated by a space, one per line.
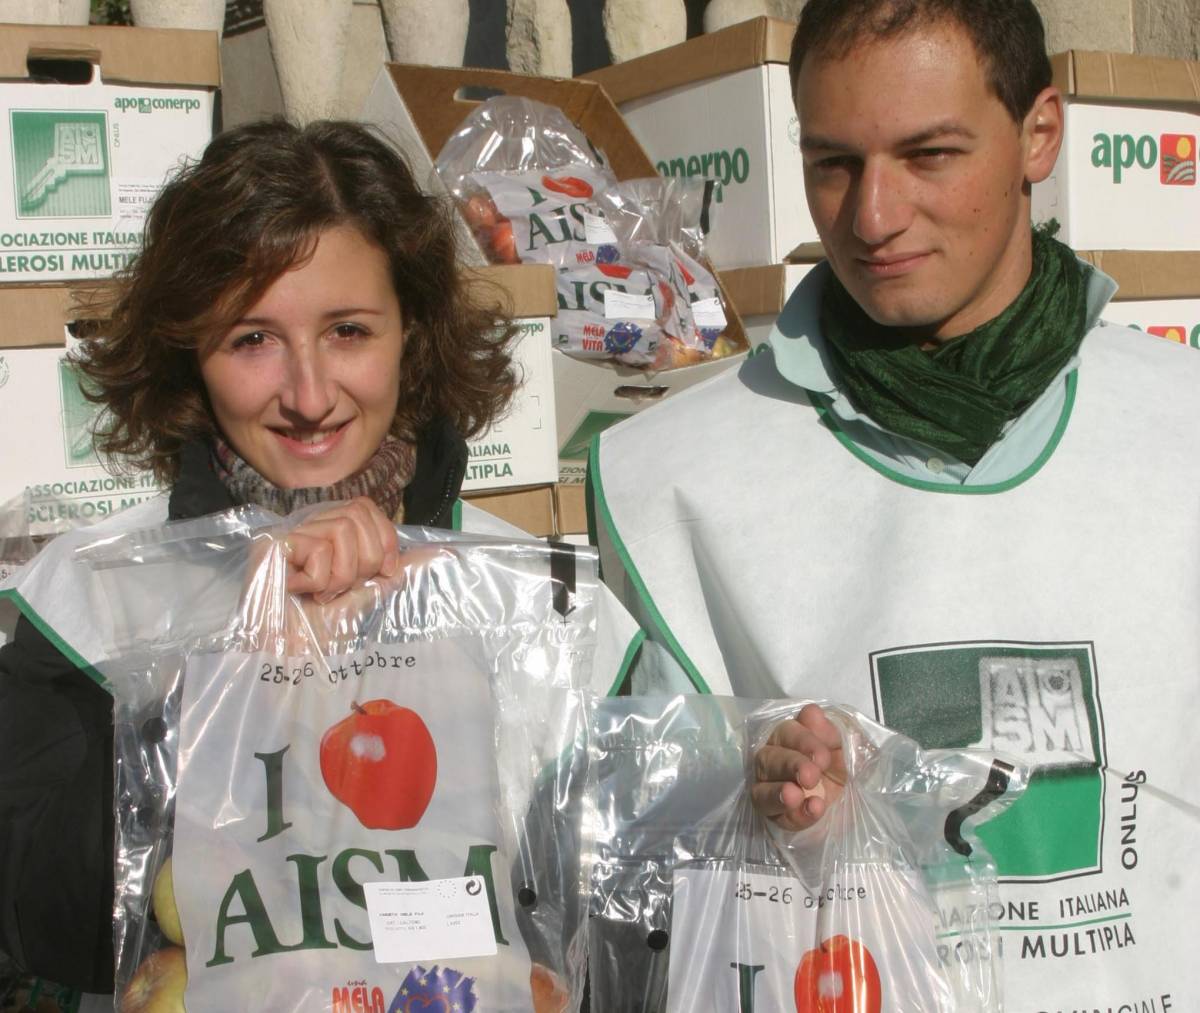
pixel 945 495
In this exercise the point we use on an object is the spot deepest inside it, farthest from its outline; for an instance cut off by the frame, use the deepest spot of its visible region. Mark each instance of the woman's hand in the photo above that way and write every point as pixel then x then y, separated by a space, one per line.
pixel 341 565
pixel 800 770
pixel 340 548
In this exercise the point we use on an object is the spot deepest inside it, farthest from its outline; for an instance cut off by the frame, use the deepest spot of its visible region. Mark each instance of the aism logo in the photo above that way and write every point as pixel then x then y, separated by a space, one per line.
pixel 78 418
pixel 1177 166
pixel 1175 155
pixel 1035 702
pixel 60 164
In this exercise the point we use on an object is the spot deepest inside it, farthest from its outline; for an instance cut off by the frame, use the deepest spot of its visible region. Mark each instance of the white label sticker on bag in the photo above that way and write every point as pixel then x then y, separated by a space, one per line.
pixel 437 919
pixel 708 313
pixel 626 306
pixel 596 230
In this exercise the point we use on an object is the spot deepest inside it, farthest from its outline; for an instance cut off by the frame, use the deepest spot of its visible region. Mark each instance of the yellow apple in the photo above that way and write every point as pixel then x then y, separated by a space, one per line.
pixel 158 984
pixel 163 900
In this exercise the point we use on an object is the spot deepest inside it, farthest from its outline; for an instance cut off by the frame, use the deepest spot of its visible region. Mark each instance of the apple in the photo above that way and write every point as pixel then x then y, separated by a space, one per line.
pixel 504 242
pixel 381 763
pixel 158 984
pixel 549 996
pixel 480 211
pixel 839 976
pixel 163 900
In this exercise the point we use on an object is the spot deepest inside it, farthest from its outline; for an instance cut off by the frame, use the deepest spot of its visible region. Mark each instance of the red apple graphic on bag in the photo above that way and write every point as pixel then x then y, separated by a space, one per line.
pixel 381 763
pixel 839 976
pixel 572 186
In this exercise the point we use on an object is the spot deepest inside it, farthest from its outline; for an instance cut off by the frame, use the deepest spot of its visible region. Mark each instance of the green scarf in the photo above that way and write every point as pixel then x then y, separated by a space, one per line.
pixel 958 397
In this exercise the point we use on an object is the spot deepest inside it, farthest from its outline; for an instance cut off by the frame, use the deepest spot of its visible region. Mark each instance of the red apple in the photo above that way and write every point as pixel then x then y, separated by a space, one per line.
pixel 158 984
pixel 381 763
pixel 839 976
pixel 504 243
pixel 480 211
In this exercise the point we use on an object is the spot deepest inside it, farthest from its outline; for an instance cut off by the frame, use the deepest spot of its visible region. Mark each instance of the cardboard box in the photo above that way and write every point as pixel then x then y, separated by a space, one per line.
pixel 759 293
pixel 80 164
pixel 552 511
pixel 420 107
pixel 570 503
pixel 721 106
pixel 1126 176
pixel 47 422
pixel 1159 292
pixel 531 510
pixel 522 448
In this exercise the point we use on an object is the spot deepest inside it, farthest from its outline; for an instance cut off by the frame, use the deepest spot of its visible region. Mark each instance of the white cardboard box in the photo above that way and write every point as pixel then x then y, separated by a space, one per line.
pixel 80 164
pixel 522 448
pixel 721 106
pixel 760 293
pixel 1173 319
pixel 1126 175
pixel 1157 291
pixel 46 421
pixel 591 396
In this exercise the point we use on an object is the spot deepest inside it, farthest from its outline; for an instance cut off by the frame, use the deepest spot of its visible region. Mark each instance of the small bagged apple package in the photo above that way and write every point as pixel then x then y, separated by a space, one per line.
pixel 631 286
pixel 349 807
pixel 523 176
pixel 699 904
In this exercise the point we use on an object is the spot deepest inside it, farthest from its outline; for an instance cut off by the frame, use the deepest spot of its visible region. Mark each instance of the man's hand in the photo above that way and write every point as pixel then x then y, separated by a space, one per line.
pixel 800 770
pixel 337 550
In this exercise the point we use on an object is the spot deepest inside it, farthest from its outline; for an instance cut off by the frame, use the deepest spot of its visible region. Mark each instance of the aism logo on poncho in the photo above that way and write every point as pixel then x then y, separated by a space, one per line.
pixel 1036 702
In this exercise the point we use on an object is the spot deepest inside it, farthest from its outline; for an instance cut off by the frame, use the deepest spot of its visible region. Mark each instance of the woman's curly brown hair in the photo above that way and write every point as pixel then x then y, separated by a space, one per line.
pixel 224 228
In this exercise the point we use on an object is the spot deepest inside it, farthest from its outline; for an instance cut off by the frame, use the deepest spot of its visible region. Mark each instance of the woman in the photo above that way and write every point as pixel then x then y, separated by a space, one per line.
pixel 294 331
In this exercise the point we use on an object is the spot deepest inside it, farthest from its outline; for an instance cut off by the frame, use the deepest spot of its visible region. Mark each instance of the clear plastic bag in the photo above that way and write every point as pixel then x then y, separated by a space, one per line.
pixel 296 785
pixel 631 284
pixel 699 904
pixel 16 543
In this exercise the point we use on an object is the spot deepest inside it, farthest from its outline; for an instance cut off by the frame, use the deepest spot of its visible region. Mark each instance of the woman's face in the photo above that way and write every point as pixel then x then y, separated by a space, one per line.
pixel 304 386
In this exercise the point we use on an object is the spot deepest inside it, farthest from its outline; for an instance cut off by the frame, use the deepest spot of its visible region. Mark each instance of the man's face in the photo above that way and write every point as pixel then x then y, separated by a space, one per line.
pixel 915 173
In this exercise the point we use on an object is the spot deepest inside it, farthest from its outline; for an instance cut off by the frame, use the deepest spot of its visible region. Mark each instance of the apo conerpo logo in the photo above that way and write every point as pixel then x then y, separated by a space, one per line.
pixel 1174 154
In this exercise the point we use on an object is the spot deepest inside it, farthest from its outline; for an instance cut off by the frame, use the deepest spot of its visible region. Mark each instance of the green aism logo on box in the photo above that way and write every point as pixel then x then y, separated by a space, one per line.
pixel 60 164
pixel 78 418
pixel 1038 703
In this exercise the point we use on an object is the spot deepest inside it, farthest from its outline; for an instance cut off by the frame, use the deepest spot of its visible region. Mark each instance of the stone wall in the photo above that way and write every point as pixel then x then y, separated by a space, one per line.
pixel 1151 27
pixel 251 89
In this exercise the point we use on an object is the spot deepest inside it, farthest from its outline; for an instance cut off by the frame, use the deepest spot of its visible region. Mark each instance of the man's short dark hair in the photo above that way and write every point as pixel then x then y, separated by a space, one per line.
pixel 1007 33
